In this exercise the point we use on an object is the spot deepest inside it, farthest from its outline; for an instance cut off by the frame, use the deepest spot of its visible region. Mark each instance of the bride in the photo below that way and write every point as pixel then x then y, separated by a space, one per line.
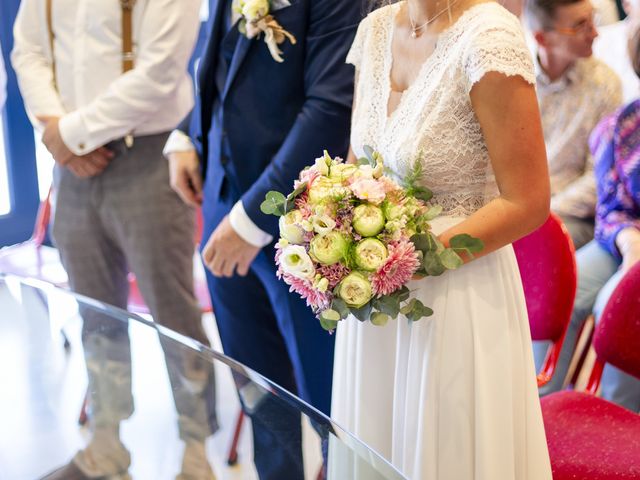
pixel 452 396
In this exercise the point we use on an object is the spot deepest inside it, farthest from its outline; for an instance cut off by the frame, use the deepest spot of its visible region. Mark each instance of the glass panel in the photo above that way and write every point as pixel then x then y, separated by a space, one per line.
pixel 150 400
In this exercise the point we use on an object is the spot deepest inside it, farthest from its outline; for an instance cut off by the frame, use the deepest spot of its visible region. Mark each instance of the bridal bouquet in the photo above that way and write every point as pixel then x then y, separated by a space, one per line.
pixel 351 238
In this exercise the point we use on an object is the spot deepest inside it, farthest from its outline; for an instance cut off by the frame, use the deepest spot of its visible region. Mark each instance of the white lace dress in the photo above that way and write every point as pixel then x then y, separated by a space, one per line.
pixel 452 396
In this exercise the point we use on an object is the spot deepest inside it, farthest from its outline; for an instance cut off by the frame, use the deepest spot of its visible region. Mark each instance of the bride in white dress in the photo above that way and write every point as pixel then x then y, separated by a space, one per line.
pixel 452 396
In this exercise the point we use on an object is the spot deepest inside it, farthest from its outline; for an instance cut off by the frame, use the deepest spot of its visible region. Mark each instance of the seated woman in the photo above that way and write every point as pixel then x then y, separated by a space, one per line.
pixel 615 145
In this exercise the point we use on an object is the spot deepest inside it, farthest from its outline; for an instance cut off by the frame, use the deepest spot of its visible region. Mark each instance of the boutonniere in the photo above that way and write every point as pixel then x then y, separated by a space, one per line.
pixel 256 19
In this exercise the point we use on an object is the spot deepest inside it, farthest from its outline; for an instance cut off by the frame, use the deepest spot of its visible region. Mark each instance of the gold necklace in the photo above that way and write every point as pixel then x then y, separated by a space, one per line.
pixel 415 29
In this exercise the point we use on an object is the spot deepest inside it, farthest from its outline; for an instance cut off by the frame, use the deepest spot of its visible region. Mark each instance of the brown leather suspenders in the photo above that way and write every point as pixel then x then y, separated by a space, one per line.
pixel 128 55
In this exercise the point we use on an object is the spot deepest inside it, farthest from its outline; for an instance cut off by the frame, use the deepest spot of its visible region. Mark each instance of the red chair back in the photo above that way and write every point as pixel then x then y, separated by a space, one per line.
pixel 617 336
pixel 546 259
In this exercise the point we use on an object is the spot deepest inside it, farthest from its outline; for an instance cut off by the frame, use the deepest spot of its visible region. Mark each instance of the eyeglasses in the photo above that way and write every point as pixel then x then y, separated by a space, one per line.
pixel 581 28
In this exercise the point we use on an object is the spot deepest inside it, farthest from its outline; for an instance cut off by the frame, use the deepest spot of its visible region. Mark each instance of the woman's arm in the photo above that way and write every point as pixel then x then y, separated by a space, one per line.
pixel 507 109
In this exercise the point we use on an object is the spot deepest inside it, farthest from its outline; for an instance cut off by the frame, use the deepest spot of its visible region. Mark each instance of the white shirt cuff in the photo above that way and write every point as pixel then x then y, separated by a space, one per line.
pixel 74 134
pixel 245 227
pixel 178 141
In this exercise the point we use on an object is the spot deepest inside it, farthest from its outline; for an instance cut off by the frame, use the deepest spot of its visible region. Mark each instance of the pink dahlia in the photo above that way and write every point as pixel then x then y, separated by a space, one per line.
pixel 316 299
pixel 398 269
pixel 334 273
pixel 308 175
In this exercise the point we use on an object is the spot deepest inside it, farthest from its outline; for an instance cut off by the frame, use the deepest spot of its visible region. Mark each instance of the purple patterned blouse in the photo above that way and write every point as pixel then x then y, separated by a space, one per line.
pixel 615 145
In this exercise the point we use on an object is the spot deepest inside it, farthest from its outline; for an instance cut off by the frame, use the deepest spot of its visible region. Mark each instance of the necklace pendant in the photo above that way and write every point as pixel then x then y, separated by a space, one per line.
pixel 414 34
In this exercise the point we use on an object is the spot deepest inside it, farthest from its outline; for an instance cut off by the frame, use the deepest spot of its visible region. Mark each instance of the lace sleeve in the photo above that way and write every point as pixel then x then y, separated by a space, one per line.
pixel 354 57
pixel 498 47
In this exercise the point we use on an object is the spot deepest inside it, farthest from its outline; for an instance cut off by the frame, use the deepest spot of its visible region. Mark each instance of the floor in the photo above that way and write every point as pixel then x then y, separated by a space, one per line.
pixel 38 433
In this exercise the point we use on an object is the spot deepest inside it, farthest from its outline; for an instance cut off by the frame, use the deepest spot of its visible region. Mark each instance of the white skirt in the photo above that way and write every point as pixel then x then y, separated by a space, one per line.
pixel 451 396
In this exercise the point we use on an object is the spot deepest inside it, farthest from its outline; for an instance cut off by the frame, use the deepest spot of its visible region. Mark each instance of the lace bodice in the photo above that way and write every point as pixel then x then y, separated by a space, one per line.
pixel 434 122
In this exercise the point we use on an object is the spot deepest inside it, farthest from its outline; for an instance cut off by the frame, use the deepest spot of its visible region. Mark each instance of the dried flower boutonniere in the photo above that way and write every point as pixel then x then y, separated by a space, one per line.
pixel 256 18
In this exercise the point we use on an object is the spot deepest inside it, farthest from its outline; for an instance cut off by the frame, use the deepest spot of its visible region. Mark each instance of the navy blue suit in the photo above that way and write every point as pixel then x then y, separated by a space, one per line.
pixel 256 124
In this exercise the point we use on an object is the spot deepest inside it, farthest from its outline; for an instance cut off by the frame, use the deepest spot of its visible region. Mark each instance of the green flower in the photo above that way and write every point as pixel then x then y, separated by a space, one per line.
pixel 342 171
pixel 370 254
pixel 368 220
pixel 324 190
pixel 328 249
pixel 355 290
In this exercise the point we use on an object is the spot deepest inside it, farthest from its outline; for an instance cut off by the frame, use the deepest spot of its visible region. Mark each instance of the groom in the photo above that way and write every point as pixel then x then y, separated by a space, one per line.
pixel 257 122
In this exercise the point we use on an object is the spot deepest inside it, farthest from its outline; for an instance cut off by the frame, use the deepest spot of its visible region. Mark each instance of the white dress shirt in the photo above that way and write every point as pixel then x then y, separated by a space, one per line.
pixel 611 46
pixel 570 108
pixel 97 103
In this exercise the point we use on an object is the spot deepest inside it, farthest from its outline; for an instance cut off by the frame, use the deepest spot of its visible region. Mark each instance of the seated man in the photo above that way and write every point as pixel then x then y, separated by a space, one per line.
pixel 574 92
pixel 611 47
pixel 603 262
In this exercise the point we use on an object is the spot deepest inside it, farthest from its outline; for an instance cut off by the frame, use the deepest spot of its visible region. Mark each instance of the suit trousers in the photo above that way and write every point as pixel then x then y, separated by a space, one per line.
pixel 272 331
pixel 129 219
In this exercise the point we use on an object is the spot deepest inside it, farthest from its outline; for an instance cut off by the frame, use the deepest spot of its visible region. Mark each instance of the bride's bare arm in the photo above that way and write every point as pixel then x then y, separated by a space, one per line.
pixel 507 110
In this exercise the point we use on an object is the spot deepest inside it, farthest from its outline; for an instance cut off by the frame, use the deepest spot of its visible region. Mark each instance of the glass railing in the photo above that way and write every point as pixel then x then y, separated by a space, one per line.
pixel 111 390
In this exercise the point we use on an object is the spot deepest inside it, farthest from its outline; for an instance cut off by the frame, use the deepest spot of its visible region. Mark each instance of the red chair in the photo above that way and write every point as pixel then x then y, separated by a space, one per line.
pixel 32 258
pixel 546 259
pixel 588 437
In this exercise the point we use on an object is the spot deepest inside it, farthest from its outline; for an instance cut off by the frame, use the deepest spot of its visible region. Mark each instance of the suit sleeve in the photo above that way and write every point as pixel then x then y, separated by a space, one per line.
pixel 324 120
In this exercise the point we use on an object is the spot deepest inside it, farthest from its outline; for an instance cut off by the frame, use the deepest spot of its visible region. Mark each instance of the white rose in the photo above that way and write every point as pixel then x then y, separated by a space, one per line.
pixel 322 224
pixel 295 261
pixel 253 9
pixel 290 227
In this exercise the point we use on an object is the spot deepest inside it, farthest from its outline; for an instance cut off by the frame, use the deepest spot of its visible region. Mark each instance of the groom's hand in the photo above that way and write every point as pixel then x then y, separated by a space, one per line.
pixel 185 177
pixel 226 251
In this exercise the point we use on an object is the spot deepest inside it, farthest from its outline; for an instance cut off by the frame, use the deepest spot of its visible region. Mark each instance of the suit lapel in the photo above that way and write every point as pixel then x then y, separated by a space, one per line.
pixel 239 54
pixel 209 60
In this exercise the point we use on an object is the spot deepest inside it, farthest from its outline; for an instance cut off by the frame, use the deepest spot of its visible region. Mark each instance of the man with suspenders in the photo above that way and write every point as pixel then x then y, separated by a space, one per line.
pixel 107 81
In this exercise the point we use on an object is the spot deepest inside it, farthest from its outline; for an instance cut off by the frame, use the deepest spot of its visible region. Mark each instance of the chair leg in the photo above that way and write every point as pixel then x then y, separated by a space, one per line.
pixel 232 458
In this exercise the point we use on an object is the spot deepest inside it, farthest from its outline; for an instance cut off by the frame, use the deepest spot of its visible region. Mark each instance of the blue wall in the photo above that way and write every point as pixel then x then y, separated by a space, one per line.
pixel 19 145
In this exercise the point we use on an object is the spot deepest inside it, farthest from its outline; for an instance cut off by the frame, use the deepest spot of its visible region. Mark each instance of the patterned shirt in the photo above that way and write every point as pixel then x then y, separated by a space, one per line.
pixel 615 145
pixel 570 108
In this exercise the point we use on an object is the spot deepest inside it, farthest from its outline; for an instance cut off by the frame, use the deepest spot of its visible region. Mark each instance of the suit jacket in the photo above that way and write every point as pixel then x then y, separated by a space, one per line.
pixel 276 117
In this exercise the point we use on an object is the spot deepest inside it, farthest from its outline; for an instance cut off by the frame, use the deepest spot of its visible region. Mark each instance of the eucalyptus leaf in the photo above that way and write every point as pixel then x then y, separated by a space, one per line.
pixel 340 306
pixel 450 259
pixel 432 264
pixel 403 293
pixel 421 242
pixel 379 319
pixel 432 213
pixel 370 153
pixel 363 313
pixel 466 243
pixel 290 201
pixel 418 311
pixel 408 307
pixel 388 304
pixel 330 315
pixel 273 203
pixel 363 161
pixel 328 325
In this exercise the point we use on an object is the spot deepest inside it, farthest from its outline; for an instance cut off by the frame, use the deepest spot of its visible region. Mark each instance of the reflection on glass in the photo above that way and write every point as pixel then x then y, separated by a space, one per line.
pixel 149 401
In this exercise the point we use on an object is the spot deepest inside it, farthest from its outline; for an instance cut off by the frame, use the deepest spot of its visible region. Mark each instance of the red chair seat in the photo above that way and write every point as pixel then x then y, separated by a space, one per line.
pixel 591 438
